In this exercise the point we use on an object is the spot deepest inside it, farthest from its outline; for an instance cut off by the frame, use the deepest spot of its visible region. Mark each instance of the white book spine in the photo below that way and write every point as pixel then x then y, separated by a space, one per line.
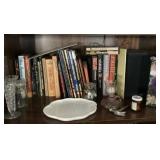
pixel 21 67
pixel 105 72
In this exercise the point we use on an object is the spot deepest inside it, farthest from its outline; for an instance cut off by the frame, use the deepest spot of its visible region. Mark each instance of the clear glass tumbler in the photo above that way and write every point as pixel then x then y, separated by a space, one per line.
pixel 9 90
pixel 21 93
pixel 111 88
pixel 90 91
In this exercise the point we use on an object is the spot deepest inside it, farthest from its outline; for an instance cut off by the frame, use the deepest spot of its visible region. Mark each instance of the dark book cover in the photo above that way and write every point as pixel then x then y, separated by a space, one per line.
pixel 62 82
pixel 45 76
pixel 89 66
pixel 33 78
pixel 81 73
pixel 40 71
pixel 137 73
pixel 36 77
pixel 100 75
pixel 64 73
pixel 68 76
pixel 74 58
pixel 73 73
pixel 70 72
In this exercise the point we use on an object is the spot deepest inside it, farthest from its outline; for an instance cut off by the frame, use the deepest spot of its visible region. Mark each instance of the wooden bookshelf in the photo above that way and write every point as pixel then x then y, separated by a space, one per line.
pixel 33 114
pixel 16 44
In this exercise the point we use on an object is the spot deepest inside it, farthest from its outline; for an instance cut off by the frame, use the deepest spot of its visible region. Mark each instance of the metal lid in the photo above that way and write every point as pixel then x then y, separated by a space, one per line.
pixel 137 98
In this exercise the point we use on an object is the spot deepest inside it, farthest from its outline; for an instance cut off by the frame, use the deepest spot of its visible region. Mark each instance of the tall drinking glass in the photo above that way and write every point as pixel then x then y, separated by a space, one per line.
pixel 9 90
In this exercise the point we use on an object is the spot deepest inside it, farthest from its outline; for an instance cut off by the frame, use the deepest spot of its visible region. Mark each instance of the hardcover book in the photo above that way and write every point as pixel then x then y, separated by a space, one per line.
pixel 62 83
pixel 28 76
pixel 45 76
pixel 85 68
pixel 65 75
pixel 70 72
pixel 21 67
pixel 35 76
pixel 94 69
pixel 112 68
pixel 133 73
pixel 121 72
pixel 100 73
pixel 56 76
pixel 76 71
pixel 73 73
pixel 106 59
pixel 50 78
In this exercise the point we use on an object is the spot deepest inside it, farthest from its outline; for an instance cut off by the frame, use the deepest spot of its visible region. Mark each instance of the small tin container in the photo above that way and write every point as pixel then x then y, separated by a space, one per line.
pixel 136 103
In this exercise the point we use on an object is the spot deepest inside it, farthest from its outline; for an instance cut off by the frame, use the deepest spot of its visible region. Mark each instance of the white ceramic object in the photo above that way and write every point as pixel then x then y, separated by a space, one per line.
pixel 70 109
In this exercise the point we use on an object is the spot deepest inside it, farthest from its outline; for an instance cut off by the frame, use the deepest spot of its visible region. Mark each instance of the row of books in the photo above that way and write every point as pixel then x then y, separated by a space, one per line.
pixel 65 73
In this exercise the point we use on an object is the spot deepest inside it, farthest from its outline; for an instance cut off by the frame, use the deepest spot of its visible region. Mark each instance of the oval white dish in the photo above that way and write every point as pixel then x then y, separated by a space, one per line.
pixel 70 109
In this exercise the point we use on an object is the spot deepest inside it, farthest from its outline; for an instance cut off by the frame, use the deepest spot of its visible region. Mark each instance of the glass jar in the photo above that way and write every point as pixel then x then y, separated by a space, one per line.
pixel 21 93
pixel 136 103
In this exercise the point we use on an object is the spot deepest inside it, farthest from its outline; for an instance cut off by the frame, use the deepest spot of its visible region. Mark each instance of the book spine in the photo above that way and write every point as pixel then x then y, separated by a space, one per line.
pixel 121 72
pixel 76 70
pixel 82 72
pixel 106 59
pixel 56 76
pixel 75 80
pixel 92 53
pixel 35 65
pixel 69 84
pixel 41 76
pixel 90 67
pixel 33 78
pixel 102 49
pixel 100 69
pixel 28 76
pixel 45 76
pixel 21 67
pixel 50 78
pixel 64 73
pixel 62 84
pixel 112 63
pixel 85 68
pixel 40 80
pixel 70 72
pixel 94 69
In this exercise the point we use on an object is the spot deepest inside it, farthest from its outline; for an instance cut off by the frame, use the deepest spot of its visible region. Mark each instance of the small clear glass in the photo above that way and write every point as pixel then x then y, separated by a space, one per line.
pixel 9 90
pixel 111 88
pixel 90 91
pixel 21 93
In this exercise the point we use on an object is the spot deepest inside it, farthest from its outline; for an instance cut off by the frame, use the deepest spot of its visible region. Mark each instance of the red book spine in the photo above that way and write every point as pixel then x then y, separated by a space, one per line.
pixel 85 68
pixel 112 67
pixel 94 68
pixel 28 76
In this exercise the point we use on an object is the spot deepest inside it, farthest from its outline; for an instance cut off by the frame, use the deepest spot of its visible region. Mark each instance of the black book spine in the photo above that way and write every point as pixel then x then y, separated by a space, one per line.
pixel 35 65
pixel 62 82
pixel 41 77
pixel 89 65
pixel 100 75
pixel 33 78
